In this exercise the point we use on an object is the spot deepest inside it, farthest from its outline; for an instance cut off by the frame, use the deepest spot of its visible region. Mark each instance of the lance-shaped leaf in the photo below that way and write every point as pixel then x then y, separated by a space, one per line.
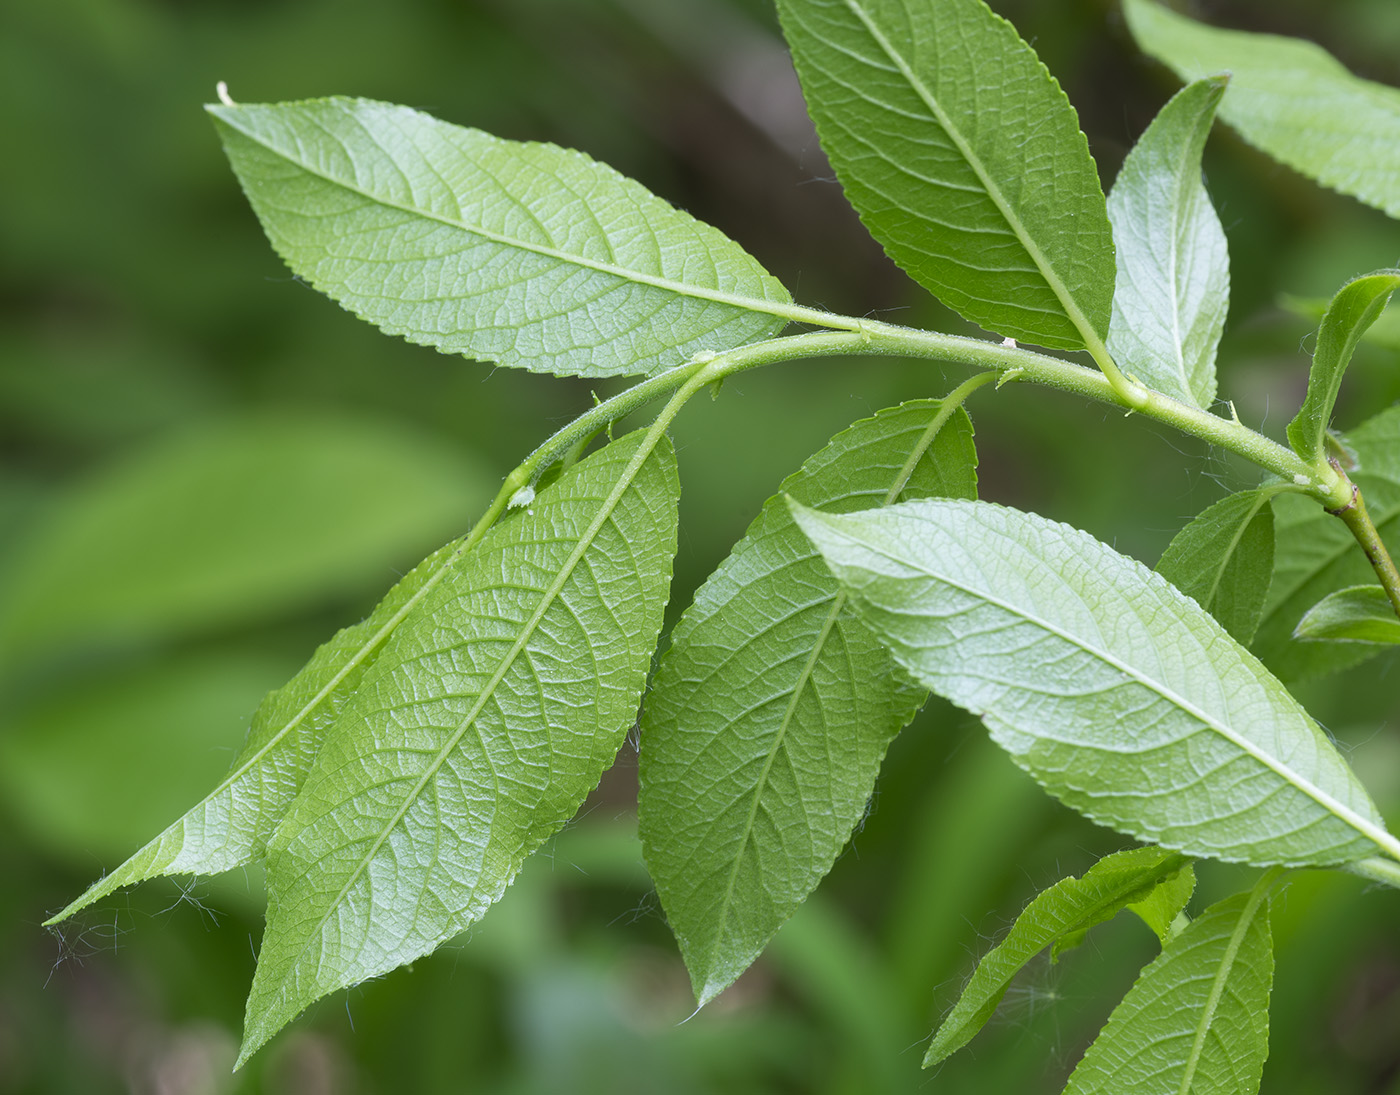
pixel 526 254
pixel 1122 696
pixel 488 717
pixel 1173 285
pixel 1224 560
pixel 1360 614
pixel 1355 307
pixel 963 158
pixel 1316 555
pixel 1064 912
pixel 774 705
pixel 1197 1020
pixel 1290 98
pixel 230 827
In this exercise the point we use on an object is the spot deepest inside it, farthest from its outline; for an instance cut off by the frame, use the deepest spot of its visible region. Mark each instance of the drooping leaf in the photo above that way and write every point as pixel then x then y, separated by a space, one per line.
pixel 1116 692
pixel 1290 98
pixel 230 827
pixel 1064 911
pixel 486 719
pixel 1353 309
pixel 1173 284
pixel 233 523
pixel 526 254
pixel 1316 555
pixel 963 158
pixel 1224 560
pixel 774 705
pixel 1197 1020
pixel 1359 614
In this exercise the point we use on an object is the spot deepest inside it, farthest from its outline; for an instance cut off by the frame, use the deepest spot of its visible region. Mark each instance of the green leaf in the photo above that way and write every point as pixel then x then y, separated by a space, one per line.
pixel 100 760
pixel 233 523
pixel 230 827
pixel 1115 691
pixel 1173 286
pixel 1197 1020
pixel 1224 560
pixel 774 705
pixel 1290 98
pixel 1163 909
pixel 1360 614
pixel 1064 911
pixel 1316 555
pixel 527 254
pixel 487 718
pixel 1353 309
pixel 1384 332
pixel 963 158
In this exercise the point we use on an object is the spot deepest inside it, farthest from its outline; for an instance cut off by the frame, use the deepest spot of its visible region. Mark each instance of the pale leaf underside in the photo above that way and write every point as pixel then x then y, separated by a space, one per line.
pixel 526 254
pixel 1290 98
pixel 1119 694
pixel 1173 285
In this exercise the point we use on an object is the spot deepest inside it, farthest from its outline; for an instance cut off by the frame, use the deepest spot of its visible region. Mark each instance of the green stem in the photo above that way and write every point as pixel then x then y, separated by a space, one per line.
pixel 1355 517
pixel 1385 871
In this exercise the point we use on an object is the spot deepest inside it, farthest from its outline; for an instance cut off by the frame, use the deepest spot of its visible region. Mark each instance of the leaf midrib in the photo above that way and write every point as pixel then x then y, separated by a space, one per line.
pixel 551 592
pixel 1338 809
pixel 1014 222
pixel 744 303
pixel 901 480
pixel 1217 988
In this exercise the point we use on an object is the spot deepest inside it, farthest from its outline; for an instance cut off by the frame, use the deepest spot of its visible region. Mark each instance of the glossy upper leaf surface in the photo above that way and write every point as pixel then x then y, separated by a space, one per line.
pixel 1065 911
pixel 526 254
pixel 487 718
pixel 1359 614
pixel 1316 555
pixel 1224 560
pixel 773 706
pixel 1173 284
pixel 1197 1020
pixel 1290 98
pixel 1118 693
pixel 963 158
pixel 1355 307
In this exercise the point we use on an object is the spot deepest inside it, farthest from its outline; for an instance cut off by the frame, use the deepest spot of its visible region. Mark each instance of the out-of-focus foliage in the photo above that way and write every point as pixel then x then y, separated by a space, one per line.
pixel 143 313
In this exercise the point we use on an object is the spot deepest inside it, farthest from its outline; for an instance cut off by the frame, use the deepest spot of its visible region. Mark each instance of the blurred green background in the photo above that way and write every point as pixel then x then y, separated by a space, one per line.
pixel 207 468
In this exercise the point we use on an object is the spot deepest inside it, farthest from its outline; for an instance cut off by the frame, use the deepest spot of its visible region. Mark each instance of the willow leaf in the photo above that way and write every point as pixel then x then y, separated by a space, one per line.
pixel 1290 98
pixel 1002 220
pixel 774 705
pixel 1197 1020
pixel 1356 306
pixel 1358 614
pixel 1173 285
pixel 1064 911
pixel 1316 555
pixel 230 827
pixel 1122 696
pixel 526 254
pixel 1224 560
pixel 488 717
